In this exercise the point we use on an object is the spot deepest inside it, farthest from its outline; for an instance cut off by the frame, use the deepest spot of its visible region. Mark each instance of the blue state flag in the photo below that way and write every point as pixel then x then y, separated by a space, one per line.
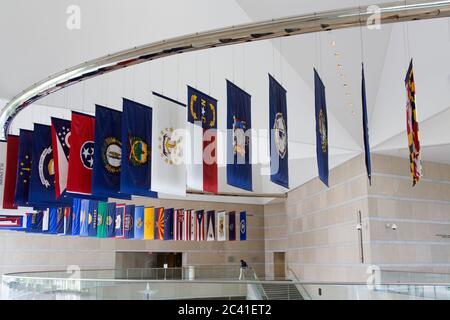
pixel 111 220
pixel 107 153
pixel 34 222
pixel 139 222
pixel 239 124
pixel 68 220
pixel 76 208
pixel 365 127
pixel 135 175
pixel 321 128
pixel 52 220
pixel 243 226
pixel 24 168
pixel 119 222
pixel 92 218
pixel 279 170
pixel 168 224
pixel 84 222
pixel 129 221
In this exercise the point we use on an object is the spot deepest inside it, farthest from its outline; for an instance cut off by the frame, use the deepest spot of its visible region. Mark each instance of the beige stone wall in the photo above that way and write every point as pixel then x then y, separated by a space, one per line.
pixel 422 215
pixel 29 252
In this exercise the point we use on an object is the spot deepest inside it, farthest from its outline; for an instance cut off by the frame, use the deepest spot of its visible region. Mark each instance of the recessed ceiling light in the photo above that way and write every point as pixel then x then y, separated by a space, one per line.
pixel 333 43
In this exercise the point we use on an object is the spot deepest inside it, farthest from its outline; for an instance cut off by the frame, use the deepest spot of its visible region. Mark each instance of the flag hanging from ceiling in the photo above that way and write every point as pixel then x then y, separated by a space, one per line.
pixel 149 223
pixel 201 146
pixel 111 220
pixel 239 167
pixel 76 216
pixel 92 218
pixel 84 222
pixel 412 126
pixel 81 155
pixel 60 147
pixel 119 224
pixel 139 222
pixel 42 185
pixel 12 222
pixel 45 221
pixel 243 226
pixel 3 151
pixel 187 225
pixel 211 225
pixel 193 225
pixel 279 170
pixel 135 174
pixel 365 127
pixel 168 149
pixel 107 153
pixel 159 224
pixel 60 220
pixel 23 175
pixel 178 220
pixel 200 225
pixel 231 226
pixel 52 220
pixel 321 128
pixel 68 221
pixel 12 157
pixel 168 224
pixel 221 226
pixel 34 222
pixel 129 221
pixel 101 219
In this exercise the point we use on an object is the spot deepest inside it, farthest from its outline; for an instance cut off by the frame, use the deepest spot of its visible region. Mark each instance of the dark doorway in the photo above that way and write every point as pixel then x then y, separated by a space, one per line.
pixel 168 259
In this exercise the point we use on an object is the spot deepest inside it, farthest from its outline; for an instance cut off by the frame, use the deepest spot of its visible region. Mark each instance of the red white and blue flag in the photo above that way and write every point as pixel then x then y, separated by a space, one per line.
pixel 178 220
pixel 61 148
pixel 200 226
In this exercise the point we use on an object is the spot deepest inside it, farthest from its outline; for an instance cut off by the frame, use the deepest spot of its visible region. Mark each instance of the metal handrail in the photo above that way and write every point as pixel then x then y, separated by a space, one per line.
pixel 308 23
pixel 297 279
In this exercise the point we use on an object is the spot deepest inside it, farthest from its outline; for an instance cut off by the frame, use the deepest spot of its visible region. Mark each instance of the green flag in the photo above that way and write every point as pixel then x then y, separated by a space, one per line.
pixel 101 219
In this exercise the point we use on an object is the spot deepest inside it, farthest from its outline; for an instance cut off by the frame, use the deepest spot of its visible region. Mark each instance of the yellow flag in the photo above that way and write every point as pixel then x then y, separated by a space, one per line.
pixel 149 223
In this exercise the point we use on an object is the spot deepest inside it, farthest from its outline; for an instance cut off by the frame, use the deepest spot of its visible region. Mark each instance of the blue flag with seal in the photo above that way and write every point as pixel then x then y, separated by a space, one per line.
pixel 34 222
pixel 139 222
pixel 84 223
pixel 135 174
pixel 107 153
pixel 321 128
pixel 279 170
pixel 129 221
pixel 239 167
pixel 119 222
pixel 24 168
pixel 243 226
pixel 111 220
pixel 168 223
pixel 76 208
pixel 92 218
pixel 365 127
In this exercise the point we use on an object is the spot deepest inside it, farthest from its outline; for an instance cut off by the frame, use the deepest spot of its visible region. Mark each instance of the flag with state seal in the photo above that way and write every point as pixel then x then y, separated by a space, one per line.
pixel 128 222
pixel 101 219
pixel 111 220
pixel 23 175
pixel 321 128
pixel 119 222
pixel 243 226
pixel 139 222
pixel 60 131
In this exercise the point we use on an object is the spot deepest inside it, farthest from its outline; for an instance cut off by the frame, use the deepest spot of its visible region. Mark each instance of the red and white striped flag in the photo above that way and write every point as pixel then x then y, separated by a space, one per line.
pixel 178 228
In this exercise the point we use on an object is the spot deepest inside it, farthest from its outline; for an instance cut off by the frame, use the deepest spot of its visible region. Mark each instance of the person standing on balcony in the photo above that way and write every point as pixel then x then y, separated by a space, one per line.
pixel 243 266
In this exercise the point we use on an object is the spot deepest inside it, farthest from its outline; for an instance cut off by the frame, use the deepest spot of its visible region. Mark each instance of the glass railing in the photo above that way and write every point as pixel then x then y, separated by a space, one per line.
pixel 197 283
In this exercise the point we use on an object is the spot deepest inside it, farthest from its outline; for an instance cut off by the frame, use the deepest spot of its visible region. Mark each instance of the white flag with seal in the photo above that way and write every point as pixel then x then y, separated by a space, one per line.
pixel 221 226
pixel 168 146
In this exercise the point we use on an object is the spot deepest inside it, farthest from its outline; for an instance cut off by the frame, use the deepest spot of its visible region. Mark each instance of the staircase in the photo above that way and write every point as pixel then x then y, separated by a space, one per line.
pixel 277 291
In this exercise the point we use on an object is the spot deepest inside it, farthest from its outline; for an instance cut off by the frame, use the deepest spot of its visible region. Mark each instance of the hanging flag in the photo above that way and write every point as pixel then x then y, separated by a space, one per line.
pixel 279 170
pixel 101 219
pixel 81 155
pixel 46 221
pixel 120 218
pixel 159 224
pixel 68 221
pixel 202 171
pixel 12 222
pixel 211 225
pixel 149 223
pixel 12 157
pixel 34 222
pixel 60 220
pixel 178 220
pixel 239 124
pixel 111 220
pixel 84 217
pixel 200 225
pixel 135 174
pixel 169 163
pixel 168 224
pixel 232 226
pixel 221 226
pixel 321 128
pixel 187 225
pixel 365 127
pixel 53 220
pixel 3 151
pixel 92 218
pixel 412 127
pixel 139 222
pixel 193 228
pixel 243 226
pixel 42 185
pixel 23 168
pixel 76 217
pixel 129 221
pixel 107 153
pixel 60 131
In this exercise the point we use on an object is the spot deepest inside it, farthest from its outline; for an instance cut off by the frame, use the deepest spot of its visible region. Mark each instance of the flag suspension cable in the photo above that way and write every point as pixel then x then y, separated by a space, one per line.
pixel 275 28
